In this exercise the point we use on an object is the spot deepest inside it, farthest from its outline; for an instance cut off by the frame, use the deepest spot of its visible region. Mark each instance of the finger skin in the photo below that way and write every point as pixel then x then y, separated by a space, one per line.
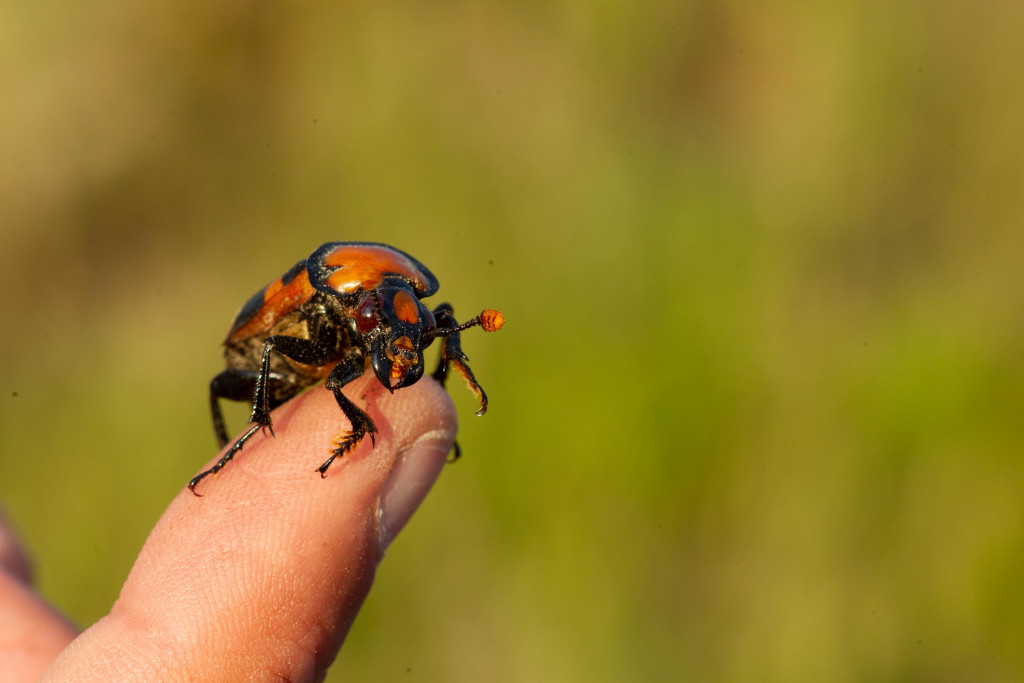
pixel 32 633
pixel 261 578
pixel 13 558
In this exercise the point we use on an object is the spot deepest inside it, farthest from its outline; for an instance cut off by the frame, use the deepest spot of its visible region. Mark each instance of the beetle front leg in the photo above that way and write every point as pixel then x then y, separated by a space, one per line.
pixel 343 373
pixel 452 355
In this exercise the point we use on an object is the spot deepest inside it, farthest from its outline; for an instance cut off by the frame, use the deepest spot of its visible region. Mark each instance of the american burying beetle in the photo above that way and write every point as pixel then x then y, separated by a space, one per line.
pixel 347 306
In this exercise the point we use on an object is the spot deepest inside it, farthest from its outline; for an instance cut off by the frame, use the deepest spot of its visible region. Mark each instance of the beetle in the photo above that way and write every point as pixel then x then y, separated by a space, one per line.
pixel 346 307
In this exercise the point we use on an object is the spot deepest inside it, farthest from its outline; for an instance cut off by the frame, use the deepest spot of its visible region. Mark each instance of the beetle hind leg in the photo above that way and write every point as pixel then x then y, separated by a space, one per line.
pixel 224 459
pixel 235 384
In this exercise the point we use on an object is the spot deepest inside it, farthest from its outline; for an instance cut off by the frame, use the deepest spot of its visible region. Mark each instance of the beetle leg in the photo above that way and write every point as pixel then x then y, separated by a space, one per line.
pixel 445 317
pixel 225 459
pixel 299 350
pixel 343 373
pixel 230 383
pixel 235 384
pixel 218 421
pixel 452 355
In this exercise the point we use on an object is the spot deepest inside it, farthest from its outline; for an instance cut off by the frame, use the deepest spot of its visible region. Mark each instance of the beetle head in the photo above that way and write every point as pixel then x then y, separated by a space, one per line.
pixel 392 321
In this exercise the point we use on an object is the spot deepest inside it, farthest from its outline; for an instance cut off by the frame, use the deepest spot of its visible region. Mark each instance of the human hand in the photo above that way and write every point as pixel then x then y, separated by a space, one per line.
pixel 260 578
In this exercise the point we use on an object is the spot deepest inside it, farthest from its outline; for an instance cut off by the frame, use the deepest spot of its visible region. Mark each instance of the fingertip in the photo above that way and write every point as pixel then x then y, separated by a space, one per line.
pixel 414 472
pixel 430 423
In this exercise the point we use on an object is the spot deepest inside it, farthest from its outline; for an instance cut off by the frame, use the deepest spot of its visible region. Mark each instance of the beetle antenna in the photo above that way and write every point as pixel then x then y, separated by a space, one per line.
pixel 489 319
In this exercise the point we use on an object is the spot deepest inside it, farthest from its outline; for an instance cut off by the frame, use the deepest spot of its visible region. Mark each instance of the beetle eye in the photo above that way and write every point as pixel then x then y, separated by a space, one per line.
pixel 431 322
pixel 367 317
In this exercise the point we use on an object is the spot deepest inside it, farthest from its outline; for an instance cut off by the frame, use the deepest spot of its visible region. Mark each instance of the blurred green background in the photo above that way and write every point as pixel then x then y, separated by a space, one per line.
pixel 756 413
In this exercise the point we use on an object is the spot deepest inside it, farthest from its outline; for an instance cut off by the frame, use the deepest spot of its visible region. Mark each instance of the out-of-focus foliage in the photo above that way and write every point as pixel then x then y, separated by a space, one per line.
pixel 756 413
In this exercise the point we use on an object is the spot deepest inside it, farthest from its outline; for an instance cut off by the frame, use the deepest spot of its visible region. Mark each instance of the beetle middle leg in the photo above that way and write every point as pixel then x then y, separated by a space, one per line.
pixel 233 383
pixel 344 372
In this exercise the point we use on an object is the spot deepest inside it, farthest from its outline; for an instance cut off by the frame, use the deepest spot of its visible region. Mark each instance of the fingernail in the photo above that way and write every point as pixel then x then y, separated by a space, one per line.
pixel 415 471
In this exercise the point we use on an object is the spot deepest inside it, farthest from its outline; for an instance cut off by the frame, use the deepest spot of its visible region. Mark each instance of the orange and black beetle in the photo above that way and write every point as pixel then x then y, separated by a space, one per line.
pixel 348 305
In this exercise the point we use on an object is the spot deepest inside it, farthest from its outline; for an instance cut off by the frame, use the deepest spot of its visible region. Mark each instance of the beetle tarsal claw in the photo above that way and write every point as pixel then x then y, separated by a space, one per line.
pixel 343 444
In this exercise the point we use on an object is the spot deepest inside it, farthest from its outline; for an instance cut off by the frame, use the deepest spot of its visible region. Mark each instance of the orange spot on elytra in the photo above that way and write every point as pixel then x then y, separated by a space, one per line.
pixel 366 265
pixel 278 301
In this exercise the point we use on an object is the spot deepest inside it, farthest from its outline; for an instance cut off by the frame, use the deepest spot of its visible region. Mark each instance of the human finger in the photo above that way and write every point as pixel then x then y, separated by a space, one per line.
pixel 263 575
